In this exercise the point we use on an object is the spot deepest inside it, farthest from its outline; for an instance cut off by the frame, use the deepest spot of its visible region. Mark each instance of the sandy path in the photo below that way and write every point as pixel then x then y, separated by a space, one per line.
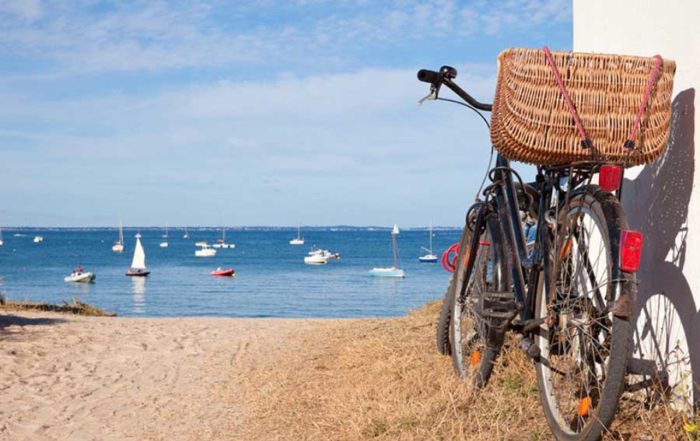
pixel 98 378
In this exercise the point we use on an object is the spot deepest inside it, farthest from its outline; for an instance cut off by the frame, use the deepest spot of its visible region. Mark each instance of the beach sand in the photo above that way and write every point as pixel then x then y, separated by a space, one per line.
pixel 67 377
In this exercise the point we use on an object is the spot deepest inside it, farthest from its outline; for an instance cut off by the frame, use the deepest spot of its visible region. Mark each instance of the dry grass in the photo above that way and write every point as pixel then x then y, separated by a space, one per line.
pixel 74 307
pixel 383 380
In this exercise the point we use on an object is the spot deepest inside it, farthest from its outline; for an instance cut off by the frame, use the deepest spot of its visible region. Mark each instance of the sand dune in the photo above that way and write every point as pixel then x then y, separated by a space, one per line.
pixel 66 377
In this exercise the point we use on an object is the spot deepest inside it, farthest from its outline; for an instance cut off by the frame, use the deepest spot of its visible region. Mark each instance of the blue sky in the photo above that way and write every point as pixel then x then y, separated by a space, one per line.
pixel 251 113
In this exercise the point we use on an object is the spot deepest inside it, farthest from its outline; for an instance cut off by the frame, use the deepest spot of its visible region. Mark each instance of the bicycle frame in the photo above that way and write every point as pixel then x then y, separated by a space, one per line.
pixel 525 269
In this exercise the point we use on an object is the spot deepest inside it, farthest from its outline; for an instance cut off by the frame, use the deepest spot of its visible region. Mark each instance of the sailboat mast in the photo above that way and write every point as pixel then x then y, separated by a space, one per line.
pixel 431 238
pixel 121 233
pixel 395 250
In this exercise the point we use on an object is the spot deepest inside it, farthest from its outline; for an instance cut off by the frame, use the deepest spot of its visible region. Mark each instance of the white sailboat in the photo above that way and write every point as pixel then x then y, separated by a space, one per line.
pixel 430 257
pixel 138 263
pixel 221 243
pixel 394 271
pixel 298 240
pixel 2 242
pixel 186 235
pixel 164 244
pixel 38 239
pixel 118 246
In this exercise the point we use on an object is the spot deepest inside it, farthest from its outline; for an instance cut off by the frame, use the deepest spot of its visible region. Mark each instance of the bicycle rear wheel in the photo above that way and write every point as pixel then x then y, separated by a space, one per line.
pixel 473 346
pixel 584 346
pixel 442 337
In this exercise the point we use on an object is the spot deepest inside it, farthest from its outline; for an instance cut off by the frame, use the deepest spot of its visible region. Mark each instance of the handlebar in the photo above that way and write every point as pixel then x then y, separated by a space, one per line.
pixel 445 76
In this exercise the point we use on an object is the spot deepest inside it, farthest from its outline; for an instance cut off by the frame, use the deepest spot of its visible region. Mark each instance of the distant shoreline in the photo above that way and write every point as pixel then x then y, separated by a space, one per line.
pixel 331 228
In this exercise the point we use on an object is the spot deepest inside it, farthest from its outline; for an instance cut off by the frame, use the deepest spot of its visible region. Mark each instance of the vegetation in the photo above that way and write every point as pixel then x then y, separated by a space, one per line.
pixel 74 307
pixel 382 379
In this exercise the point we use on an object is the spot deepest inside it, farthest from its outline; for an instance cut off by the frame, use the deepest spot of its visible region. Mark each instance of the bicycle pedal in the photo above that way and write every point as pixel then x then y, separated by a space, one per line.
pixel 499 305
pixel 529 347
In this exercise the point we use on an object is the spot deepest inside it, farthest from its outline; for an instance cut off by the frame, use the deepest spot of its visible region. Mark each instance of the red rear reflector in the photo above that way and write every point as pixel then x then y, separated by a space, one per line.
pixel 610 177
pixel 630 250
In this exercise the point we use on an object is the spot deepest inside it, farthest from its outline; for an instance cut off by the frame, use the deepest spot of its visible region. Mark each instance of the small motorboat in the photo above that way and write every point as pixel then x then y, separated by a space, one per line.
pixel 205 251
pixel 201 243
pixel 38 239
pixel 387 272
pixel 224 272
pixel 315 259
pixel 325 253
pixel 80 276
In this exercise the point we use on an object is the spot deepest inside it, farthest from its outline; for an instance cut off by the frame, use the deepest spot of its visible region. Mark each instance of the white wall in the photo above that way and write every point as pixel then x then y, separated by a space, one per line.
pixel 659 198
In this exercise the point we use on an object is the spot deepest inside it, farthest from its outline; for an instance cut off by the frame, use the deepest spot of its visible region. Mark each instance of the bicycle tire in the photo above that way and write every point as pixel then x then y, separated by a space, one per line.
pixel 475 366
pixel 442 335
pixel 586 345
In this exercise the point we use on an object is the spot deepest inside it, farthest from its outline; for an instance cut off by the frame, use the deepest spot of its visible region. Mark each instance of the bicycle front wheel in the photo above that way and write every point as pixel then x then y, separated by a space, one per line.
pixel 584 346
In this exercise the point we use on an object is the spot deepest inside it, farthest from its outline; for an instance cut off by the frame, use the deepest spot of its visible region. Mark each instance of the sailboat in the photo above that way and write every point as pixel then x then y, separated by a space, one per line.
pixel 2 242
pixel 186 235
pixel 221 243
pixel 394 271
pixel 298 240
pixel 430 257
pixel 138 263
pixel 164 244
pixel 118 246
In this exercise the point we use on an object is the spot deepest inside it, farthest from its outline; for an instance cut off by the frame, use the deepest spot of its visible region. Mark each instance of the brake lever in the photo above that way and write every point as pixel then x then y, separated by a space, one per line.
pixel 431 96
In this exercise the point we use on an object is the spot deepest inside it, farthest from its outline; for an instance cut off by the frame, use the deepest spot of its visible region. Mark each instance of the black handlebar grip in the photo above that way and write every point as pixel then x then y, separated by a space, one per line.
pixel 428 76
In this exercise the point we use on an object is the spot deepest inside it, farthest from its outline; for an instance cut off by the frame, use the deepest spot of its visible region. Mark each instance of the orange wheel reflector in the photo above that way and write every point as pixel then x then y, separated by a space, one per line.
pixel 475 358
pixel 566 248
pixel 584 406
pixel 466 256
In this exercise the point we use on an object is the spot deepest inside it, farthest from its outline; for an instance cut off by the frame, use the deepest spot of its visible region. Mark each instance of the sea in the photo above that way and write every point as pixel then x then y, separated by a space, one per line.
pixel 271 277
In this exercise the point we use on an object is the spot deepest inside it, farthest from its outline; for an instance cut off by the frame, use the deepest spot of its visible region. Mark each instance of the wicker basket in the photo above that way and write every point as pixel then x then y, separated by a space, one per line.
pixel 532 123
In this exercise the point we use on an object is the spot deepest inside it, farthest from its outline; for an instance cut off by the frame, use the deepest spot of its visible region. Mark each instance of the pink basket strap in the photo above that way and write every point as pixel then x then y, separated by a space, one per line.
pixel 653 76
pixel 585 142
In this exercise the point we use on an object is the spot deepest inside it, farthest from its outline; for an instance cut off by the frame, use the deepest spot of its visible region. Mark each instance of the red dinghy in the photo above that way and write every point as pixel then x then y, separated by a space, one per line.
pixel 225 272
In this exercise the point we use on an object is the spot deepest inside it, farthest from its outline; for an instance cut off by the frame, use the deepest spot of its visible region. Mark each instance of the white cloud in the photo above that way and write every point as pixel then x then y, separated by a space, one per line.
pixel 153 36
pixel 334 133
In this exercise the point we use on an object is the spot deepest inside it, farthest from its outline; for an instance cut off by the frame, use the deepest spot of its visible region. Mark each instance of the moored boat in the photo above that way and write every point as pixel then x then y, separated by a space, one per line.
pixel 297 240
pixel 224 272
pixel 315 259
pixel 430 257
pixel 164 244
pixel 38 239
pixel 205 251
pixel 118 246
pixel 394 271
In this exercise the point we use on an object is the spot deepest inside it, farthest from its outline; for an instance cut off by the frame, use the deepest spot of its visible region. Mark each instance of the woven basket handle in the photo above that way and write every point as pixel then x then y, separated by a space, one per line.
pixel 585 141
pixel 653 76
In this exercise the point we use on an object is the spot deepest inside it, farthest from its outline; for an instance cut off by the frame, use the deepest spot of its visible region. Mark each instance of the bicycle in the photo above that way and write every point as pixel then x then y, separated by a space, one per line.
pixel 569 293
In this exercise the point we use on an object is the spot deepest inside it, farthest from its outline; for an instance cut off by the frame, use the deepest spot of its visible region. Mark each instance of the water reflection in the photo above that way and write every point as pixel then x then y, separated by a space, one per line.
pixel 81 288
pixel 138 291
